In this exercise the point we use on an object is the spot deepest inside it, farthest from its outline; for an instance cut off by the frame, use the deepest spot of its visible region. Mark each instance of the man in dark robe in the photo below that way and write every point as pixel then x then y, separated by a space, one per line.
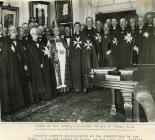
pixel 97 38
pixel 105 53
pixel 76 58
pixel 125 43
pixel 67 37
pixel 134 32
pixel 88 51
pixel 138 44
pixel 41 36
pixel 48 71
pixel 4 94
pixel 89 31
pixel 23 67
pixel 114 42
pixel 146 50
pixel 26 37
pixel 36 66
pixel 14 84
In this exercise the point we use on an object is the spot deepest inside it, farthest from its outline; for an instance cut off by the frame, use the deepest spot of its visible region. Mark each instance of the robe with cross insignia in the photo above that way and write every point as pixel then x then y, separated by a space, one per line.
pixel 146 46
pixel 97 42
pixel 125 43
pixel 76 61
pixel 89 55
pixel 134 32
pixel 114 46
pixel 48 72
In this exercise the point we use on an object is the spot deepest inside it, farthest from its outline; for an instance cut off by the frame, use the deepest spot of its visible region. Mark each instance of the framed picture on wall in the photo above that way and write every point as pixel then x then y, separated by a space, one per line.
pixel 39 11
pixel 64 11
pixel 10 16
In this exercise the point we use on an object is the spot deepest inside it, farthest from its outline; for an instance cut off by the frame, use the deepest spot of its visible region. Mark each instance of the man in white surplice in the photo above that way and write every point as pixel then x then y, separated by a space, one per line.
pixel 60 54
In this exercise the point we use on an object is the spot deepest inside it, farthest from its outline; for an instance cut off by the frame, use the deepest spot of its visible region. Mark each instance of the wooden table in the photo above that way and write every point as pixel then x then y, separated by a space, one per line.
pixel 126 88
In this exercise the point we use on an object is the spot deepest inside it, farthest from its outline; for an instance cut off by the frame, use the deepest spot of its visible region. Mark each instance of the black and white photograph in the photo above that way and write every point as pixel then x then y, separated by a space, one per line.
pixel 77 61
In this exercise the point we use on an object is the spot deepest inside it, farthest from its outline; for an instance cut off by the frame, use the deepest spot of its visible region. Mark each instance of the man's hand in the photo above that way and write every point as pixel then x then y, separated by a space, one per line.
pixel 25 67
pixel 108 52
pixel 136 49
pixel 41 65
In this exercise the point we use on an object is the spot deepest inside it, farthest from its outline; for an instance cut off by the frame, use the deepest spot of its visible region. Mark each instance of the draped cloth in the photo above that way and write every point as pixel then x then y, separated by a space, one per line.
pixel 62 62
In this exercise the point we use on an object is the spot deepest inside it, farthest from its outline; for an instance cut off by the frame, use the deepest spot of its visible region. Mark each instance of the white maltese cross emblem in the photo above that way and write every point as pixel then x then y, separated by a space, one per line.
pixel 146 35
pixel 98 37
pixel 77 43
pixel 88 44
pixel 128 38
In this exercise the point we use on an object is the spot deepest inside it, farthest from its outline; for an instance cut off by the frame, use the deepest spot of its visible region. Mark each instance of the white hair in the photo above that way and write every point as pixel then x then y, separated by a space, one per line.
pixel 11 28
pixel 33 30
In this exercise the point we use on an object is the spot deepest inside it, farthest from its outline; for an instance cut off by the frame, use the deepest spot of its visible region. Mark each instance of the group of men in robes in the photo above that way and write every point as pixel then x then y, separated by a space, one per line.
pixel 36 62
pixel 27 74
pixel 116 43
